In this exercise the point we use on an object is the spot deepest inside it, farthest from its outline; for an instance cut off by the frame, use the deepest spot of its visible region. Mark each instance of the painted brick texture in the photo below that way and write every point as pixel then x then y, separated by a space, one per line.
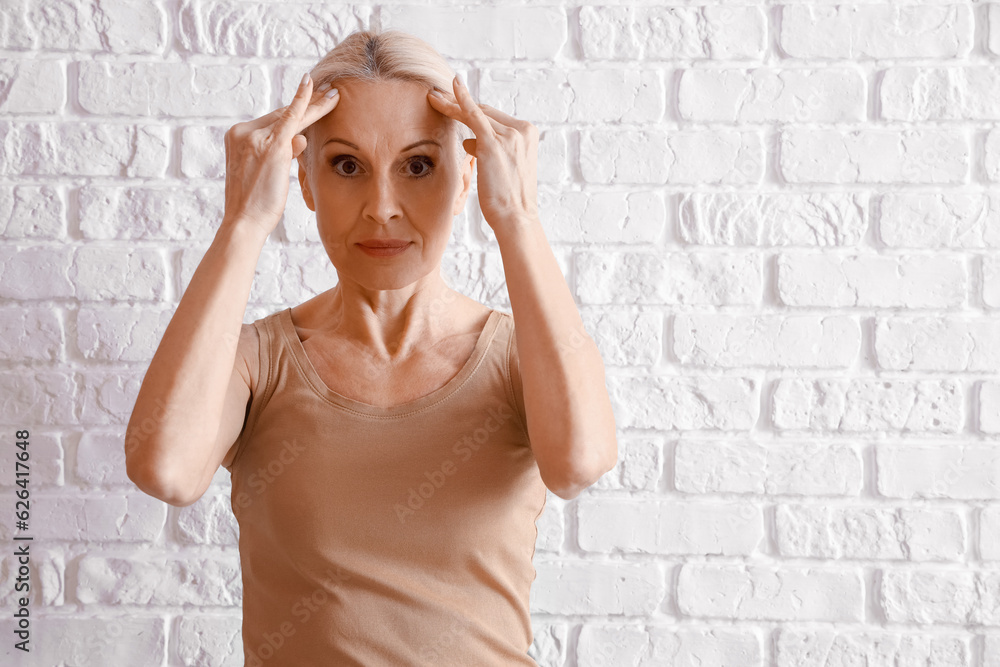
pixel 780 221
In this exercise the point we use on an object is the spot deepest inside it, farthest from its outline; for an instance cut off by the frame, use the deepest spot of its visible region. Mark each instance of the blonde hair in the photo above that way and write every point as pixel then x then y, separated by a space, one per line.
pixel 376 55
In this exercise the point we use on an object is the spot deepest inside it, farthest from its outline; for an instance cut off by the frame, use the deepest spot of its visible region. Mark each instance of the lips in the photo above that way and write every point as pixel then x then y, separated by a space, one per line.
pixel 384 243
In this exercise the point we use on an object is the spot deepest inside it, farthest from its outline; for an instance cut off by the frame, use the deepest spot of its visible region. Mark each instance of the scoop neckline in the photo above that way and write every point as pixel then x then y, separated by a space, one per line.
pixel 311 375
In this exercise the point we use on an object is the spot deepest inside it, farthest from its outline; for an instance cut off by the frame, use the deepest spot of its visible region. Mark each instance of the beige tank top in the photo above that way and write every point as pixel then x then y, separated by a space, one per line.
pixel 386 536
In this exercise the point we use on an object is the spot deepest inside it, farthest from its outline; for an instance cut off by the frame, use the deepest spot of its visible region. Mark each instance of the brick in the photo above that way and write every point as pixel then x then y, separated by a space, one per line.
pixel 602 217
pixel 759 95
pixel 521 32
pixel 749 592
pixel 629 95
pixel 867 405
pixel 937 344
pixel 991 281
pixel 649 646
pixel 209 521
pixel 673 33
pixel 107 398
pixel 991 155
pixel 940 93
pixel 862 32
pixel 36 272
pixel 134 517
pixel 151 214
pixel 625 337
pixel 897 533
pixel 31 333
pixel 550 644
pixel 822 647
pixel 693 278
pixel 120 334
pixel 946 470
pixel 31 212
pixel 917 155
pixel 32 86
pixel 103 273
pixel 989 407
pixel 773 219
pixel 137 639
pixel 37 397
pixel 950 220
pixel 774 341
pixel 100 459
pixel 203 152
pixel 937 595
pixel 267 30
pixel 596 588
pixel 812 468
pixel 989 532
pixel 47 458
pixel 84 149
pixel 158 580
pixel 204 639
pixel 175 89
pixel 684 156
pixel 910 281
pixel 610 525
pixel 685 403
pixel 993 19
pixel 118 26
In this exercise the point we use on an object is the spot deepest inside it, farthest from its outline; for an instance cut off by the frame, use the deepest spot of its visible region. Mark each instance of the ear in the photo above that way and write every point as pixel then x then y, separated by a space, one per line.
pixel 304 185
pixel 467 162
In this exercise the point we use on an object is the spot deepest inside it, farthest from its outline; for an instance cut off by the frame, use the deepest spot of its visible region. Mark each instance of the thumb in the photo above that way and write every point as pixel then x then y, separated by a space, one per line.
pixel 287 125
pixel 299 144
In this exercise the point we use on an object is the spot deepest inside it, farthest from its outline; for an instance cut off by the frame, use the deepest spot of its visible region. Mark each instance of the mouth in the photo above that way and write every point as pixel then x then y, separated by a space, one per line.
pixel 384 243
pixel 384 247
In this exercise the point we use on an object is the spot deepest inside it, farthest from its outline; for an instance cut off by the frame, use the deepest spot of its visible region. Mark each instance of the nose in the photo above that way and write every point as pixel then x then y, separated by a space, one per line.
pixel 381 201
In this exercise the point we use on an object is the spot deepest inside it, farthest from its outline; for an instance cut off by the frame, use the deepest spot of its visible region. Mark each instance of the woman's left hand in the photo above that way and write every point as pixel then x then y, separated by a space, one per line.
pixel 506 150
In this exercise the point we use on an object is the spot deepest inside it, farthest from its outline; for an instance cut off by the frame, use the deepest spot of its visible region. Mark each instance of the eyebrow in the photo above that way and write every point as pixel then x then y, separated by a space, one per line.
pixel 355 147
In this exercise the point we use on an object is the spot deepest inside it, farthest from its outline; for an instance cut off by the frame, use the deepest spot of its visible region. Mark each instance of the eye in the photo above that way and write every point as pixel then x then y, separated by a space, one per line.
pixel 425 166
pixel 351 165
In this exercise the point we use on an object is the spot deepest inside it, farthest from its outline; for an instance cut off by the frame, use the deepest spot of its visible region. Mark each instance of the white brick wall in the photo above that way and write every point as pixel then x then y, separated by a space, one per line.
pixel 780 219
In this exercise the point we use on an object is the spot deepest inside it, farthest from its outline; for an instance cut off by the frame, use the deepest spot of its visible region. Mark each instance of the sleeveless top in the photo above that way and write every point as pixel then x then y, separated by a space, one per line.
pixel 386 536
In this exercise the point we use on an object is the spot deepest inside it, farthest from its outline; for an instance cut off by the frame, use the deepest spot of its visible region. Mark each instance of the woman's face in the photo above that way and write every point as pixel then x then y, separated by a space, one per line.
pixel 369 181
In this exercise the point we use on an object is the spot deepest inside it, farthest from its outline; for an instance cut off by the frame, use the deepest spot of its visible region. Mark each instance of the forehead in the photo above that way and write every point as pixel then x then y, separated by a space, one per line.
pixel 383 114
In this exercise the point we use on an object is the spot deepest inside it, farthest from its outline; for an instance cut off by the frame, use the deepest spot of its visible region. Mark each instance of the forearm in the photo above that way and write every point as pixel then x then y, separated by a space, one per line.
pixel 570 420
pixel 178 408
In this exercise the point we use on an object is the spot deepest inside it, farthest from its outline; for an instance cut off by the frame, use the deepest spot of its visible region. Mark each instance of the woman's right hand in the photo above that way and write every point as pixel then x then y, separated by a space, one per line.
pixel 259 154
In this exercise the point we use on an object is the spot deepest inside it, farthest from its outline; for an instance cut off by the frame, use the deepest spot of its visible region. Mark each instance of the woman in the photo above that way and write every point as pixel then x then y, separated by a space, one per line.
pixel 390 440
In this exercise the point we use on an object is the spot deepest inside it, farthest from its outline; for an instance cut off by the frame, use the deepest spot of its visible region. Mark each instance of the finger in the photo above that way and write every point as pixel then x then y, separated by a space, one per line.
pixel 450 107
pixel 474 116
pixel 318 108
pixel 495 114
pixel 285 127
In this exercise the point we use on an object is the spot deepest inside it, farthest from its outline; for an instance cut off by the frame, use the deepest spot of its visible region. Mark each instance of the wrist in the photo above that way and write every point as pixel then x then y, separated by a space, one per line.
pixel 243 230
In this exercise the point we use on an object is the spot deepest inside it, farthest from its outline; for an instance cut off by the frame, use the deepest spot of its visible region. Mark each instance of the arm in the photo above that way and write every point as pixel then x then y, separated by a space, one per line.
pixel 570 421
pixel 191 404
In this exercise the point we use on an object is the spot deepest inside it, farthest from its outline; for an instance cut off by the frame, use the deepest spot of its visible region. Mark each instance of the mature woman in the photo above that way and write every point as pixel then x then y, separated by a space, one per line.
pixel 390 440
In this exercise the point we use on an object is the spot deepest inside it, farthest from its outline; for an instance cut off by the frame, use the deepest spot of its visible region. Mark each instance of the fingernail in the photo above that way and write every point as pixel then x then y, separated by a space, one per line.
pixel 436 92
pixel 323 87
pixel 331 93
pixel 460 82
pixel 305 79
